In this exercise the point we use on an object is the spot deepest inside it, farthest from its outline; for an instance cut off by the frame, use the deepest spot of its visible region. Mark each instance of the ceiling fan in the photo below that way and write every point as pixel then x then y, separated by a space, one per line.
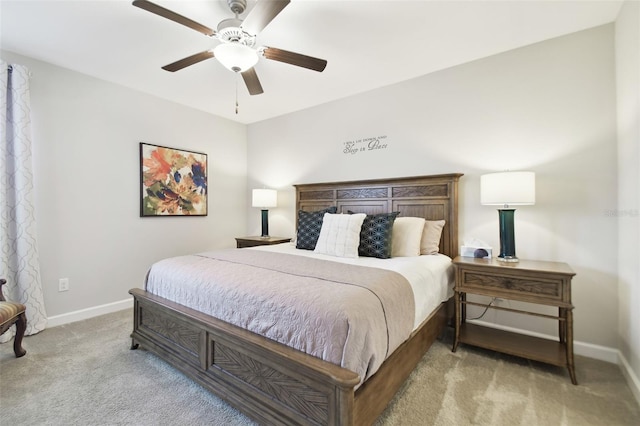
pixel 237 50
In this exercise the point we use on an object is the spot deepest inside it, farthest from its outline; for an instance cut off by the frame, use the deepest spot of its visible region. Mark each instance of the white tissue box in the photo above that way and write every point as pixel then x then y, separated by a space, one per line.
pixel 478 252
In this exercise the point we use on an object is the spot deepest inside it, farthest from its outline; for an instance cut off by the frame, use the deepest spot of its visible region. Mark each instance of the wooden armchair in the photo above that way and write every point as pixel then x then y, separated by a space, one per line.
pixel 13 313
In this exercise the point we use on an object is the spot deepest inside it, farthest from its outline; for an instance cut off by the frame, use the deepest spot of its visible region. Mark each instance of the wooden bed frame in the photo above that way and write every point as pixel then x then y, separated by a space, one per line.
pixel 275 384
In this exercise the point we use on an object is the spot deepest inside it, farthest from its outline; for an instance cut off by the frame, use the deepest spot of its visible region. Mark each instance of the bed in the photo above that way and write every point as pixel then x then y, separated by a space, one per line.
pixel 277 384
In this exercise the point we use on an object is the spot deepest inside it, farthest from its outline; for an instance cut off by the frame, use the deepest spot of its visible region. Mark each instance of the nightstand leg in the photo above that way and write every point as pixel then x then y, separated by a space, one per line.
pixel 562 325
pixel 463 308
pixel 456 303
pixel 569 336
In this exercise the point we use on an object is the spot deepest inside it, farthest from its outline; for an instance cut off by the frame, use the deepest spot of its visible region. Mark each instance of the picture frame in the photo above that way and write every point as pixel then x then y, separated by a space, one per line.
pixel 173 182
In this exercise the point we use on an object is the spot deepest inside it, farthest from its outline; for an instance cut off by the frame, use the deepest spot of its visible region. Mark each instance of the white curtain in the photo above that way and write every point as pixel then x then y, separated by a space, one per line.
pixel 19 251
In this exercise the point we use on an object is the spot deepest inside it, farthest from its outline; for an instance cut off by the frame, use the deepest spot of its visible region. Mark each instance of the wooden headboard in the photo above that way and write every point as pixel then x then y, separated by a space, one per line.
pixel 431 197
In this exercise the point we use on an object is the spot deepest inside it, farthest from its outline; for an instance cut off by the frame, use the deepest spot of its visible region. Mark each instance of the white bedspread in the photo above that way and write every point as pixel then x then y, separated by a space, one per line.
pixel 431 276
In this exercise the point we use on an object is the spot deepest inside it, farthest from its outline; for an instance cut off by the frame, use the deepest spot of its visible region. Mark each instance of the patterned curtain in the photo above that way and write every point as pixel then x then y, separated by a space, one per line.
pixel 19 251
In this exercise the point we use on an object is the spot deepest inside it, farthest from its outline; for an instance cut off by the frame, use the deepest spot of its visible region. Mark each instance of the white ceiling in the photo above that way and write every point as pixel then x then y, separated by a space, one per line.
pixel 368 44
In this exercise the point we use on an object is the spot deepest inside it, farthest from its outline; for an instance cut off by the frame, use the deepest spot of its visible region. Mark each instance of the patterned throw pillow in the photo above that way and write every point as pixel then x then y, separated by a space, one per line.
pixel 375 235
pixel 309 226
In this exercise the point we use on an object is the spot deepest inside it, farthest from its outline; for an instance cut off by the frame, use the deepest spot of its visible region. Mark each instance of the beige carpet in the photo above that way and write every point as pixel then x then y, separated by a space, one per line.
pixel 84 374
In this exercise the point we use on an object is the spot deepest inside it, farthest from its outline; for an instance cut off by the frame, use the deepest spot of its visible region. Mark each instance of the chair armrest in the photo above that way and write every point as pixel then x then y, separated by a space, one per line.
pixel 2 282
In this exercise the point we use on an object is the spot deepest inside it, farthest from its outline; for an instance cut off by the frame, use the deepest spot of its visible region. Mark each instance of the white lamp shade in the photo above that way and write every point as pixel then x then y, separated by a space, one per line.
pixel 508 188
pixel 264 198
pixel 235 56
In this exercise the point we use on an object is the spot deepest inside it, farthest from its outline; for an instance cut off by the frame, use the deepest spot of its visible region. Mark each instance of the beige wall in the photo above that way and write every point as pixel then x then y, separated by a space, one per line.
pixel 86 134
pixel 627 37
pixel 548 107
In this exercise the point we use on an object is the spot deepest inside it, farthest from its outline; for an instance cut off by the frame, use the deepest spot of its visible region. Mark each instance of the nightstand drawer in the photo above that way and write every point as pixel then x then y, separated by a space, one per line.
pixel 526 289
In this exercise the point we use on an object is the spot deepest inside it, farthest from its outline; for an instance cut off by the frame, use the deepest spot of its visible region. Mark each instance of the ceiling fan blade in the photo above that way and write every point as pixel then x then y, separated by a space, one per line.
pixel 251 80
pixel 262 13
pixel 189 60
pixel 296 59
pixel 166 13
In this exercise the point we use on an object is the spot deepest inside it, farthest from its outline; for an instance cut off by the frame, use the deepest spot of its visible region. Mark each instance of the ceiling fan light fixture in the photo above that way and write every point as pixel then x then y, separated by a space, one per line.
pixel 236 57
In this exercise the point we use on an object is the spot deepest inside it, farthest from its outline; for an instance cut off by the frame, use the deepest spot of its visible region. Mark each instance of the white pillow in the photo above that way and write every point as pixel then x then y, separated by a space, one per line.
pixel 406 236
pixel 340 234
pixel 430 243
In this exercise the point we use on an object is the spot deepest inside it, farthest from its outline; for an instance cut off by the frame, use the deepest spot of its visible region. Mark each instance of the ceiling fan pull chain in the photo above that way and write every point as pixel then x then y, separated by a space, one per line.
pixel 237 78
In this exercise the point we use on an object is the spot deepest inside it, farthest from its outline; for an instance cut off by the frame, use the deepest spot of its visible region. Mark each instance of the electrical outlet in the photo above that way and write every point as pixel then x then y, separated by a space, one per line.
pixel 63 284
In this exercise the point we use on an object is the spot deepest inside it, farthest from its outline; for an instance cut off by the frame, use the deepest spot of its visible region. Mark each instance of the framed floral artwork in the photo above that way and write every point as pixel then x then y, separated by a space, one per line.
pixel 173 182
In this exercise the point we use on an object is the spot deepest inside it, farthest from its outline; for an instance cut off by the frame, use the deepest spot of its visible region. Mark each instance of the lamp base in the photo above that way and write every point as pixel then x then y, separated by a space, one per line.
pixel 507 237
pixel 508 259
pixel 265 223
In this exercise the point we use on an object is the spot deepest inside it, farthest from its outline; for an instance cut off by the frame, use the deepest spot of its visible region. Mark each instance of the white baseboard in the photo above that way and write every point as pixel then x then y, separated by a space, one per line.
pixel 630 375
pixel 89 312
pixel 589 350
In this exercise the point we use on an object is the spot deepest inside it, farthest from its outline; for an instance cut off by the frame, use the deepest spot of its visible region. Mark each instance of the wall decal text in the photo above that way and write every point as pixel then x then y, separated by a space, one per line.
pixel 365 145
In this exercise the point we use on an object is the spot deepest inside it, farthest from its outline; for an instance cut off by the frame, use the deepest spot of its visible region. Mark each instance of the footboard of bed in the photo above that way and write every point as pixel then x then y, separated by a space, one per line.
pixel 268 381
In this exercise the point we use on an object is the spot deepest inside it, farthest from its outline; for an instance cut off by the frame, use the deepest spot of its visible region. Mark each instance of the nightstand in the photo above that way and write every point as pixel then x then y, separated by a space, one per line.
pixel 242 242
pixel 544 283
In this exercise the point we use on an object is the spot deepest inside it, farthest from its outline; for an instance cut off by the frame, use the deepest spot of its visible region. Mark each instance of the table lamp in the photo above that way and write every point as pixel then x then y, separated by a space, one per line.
pixel 507 189
pixel 265 198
